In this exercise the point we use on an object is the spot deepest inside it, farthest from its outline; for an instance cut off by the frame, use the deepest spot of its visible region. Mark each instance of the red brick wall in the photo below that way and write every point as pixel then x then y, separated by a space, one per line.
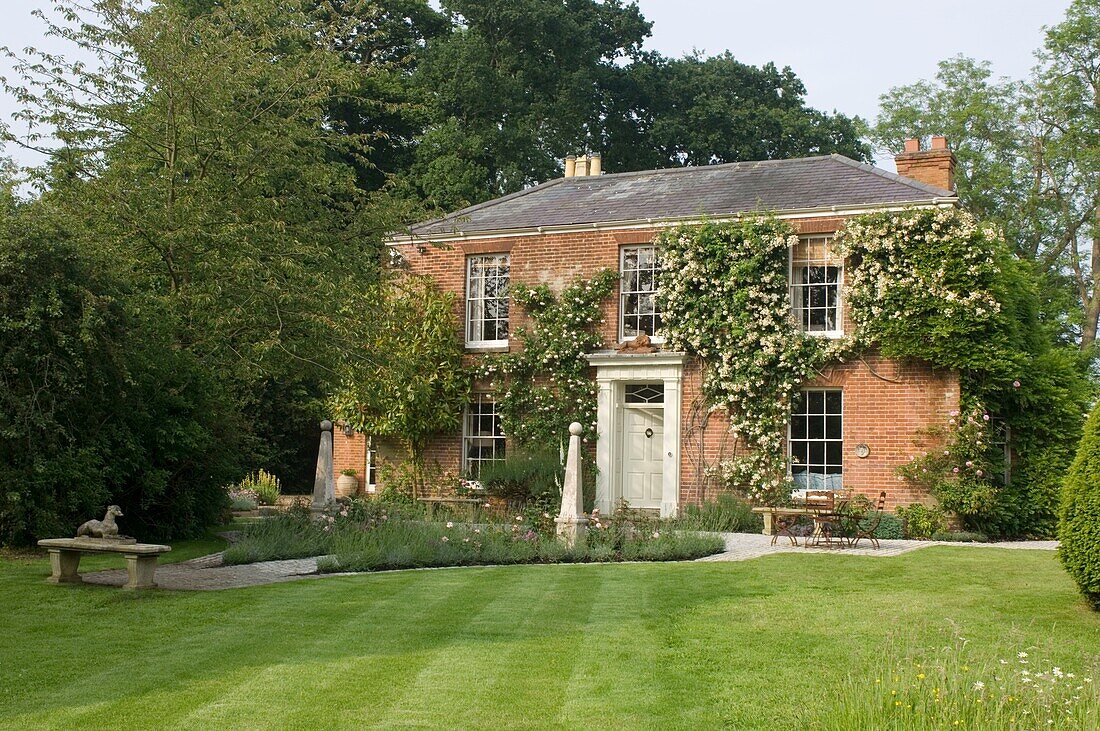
pixel 886 411
pixel 887 405
pixel 348 453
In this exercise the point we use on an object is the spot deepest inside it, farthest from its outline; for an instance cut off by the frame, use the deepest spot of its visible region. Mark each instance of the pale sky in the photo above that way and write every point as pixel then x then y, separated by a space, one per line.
pixel 847 52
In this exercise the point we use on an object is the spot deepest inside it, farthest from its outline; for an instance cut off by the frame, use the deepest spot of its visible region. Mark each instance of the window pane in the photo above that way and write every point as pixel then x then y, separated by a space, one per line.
pixel 817 453
pixel 832 427
pixel 798 427
pixel 801 452
pixel 815 285
pixel 816 426
pixel 832 402
pixel 815 402
pixel 637 303
pixel 483 439
pixel 833 453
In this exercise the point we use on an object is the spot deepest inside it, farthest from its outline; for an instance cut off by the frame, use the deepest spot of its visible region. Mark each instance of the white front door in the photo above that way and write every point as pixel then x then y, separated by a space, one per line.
pixel 642 456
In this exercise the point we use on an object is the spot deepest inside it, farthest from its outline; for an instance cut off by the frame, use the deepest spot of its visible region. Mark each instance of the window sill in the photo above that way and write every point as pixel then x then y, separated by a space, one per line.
pixel 830 334
pixel 496 346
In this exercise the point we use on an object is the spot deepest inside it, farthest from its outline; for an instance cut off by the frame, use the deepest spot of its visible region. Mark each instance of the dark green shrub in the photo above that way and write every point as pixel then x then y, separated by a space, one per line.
pixel 921 521
pixel 98 403
pixel 1079 518
pixel 726 514
pixel 523 476
pixel 960 537
pixel 890 526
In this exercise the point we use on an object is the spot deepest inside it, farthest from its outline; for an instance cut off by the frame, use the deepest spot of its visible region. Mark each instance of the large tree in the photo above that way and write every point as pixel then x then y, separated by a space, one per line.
pixel 1029 157
pixel 515 86
pixel 201 157
pixel 697 111
pixel 97 406
pixel 1063 112
pixel 512 87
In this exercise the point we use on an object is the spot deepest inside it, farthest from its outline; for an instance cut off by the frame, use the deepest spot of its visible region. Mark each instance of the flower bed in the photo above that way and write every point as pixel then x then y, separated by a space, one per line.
pixel 370 536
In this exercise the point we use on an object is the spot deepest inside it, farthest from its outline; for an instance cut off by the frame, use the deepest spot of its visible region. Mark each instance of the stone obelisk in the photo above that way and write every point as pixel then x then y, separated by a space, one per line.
pixel 324 487
pixel 571 521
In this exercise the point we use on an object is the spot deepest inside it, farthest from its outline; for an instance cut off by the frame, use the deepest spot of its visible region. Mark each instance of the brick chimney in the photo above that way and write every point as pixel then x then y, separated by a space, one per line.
pixel 934 166
pixel 583 166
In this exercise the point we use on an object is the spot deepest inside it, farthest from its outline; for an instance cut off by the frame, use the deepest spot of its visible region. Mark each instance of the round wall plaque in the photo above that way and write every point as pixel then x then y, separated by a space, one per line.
pixel 862 450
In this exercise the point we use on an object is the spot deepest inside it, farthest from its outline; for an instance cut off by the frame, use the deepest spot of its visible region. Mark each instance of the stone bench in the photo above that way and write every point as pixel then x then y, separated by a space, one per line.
pixel 141 558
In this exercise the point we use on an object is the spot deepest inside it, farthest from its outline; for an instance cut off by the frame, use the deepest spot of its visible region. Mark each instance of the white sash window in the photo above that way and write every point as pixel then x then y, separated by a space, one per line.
pixel 487 301
pixel 817 276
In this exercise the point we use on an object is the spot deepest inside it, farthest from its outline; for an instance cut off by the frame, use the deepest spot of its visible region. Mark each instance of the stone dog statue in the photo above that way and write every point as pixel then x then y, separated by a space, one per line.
pixel 640 344
pixel 106 528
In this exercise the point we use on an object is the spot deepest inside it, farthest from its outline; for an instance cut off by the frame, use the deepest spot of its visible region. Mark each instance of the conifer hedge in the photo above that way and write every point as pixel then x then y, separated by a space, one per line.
pixel 1079 524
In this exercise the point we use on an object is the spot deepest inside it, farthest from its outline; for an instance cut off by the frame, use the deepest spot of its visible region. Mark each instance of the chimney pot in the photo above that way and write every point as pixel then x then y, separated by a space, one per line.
pixel 582 166
pixel 570 166
pixel 595 164
pixel 935 166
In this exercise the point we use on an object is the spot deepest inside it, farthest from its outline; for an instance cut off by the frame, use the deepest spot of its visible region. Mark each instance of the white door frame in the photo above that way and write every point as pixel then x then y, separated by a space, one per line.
pixel 613 372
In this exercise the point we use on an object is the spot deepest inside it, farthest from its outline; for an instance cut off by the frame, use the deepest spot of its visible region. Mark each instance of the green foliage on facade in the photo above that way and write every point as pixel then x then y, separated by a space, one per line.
pixel 927 284
pixel 938 286
pixel 403 375
pixel 544 385
pixel 725 298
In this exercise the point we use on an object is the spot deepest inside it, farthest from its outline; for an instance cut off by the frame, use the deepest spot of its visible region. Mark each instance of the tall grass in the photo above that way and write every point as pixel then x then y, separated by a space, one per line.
pixel 959 686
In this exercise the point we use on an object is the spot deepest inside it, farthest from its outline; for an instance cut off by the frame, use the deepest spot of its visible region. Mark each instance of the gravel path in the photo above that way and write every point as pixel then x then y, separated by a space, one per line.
pixel 743 546
pixel 208 573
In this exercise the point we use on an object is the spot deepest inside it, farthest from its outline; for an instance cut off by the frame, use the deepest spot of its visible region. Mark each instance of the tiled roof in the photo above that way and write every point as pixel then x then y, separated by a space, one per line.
pixel 714 190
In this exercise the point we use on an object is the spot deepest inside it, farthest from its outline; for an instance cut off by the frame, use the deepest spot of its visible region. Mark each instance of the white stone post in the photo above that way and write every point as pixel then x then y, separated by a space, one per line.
pixel 571 521
pixel 324 488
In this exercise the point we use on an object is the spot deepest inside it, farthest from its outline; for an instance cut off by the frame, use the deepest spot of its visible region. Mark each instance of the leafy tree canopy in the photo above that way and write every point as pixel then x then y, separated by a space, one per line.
pixel 697 111
pixel 1029 157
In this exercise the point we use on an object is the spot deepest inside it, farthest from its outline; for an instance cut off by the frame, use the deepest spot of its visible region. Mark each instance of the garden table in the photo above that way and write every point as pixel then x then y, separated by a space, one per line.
pixel 823 511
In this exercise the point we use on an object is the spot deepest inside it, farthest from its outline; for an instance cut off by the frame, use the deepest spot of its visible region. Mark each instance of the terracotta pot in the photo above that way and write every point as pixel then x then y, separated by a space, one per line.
pixel 346 485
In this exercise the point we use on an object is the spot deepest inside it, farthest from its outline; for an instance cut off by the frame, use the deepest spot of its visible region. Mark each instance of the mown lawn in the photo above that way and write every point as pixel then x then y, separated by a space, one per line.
pixel 756 644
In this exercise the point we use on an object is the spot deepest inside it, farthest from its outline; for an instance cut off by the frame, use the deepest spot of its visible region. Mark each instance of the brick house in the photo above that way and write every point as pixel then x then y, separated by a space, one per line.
pixel 854 424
